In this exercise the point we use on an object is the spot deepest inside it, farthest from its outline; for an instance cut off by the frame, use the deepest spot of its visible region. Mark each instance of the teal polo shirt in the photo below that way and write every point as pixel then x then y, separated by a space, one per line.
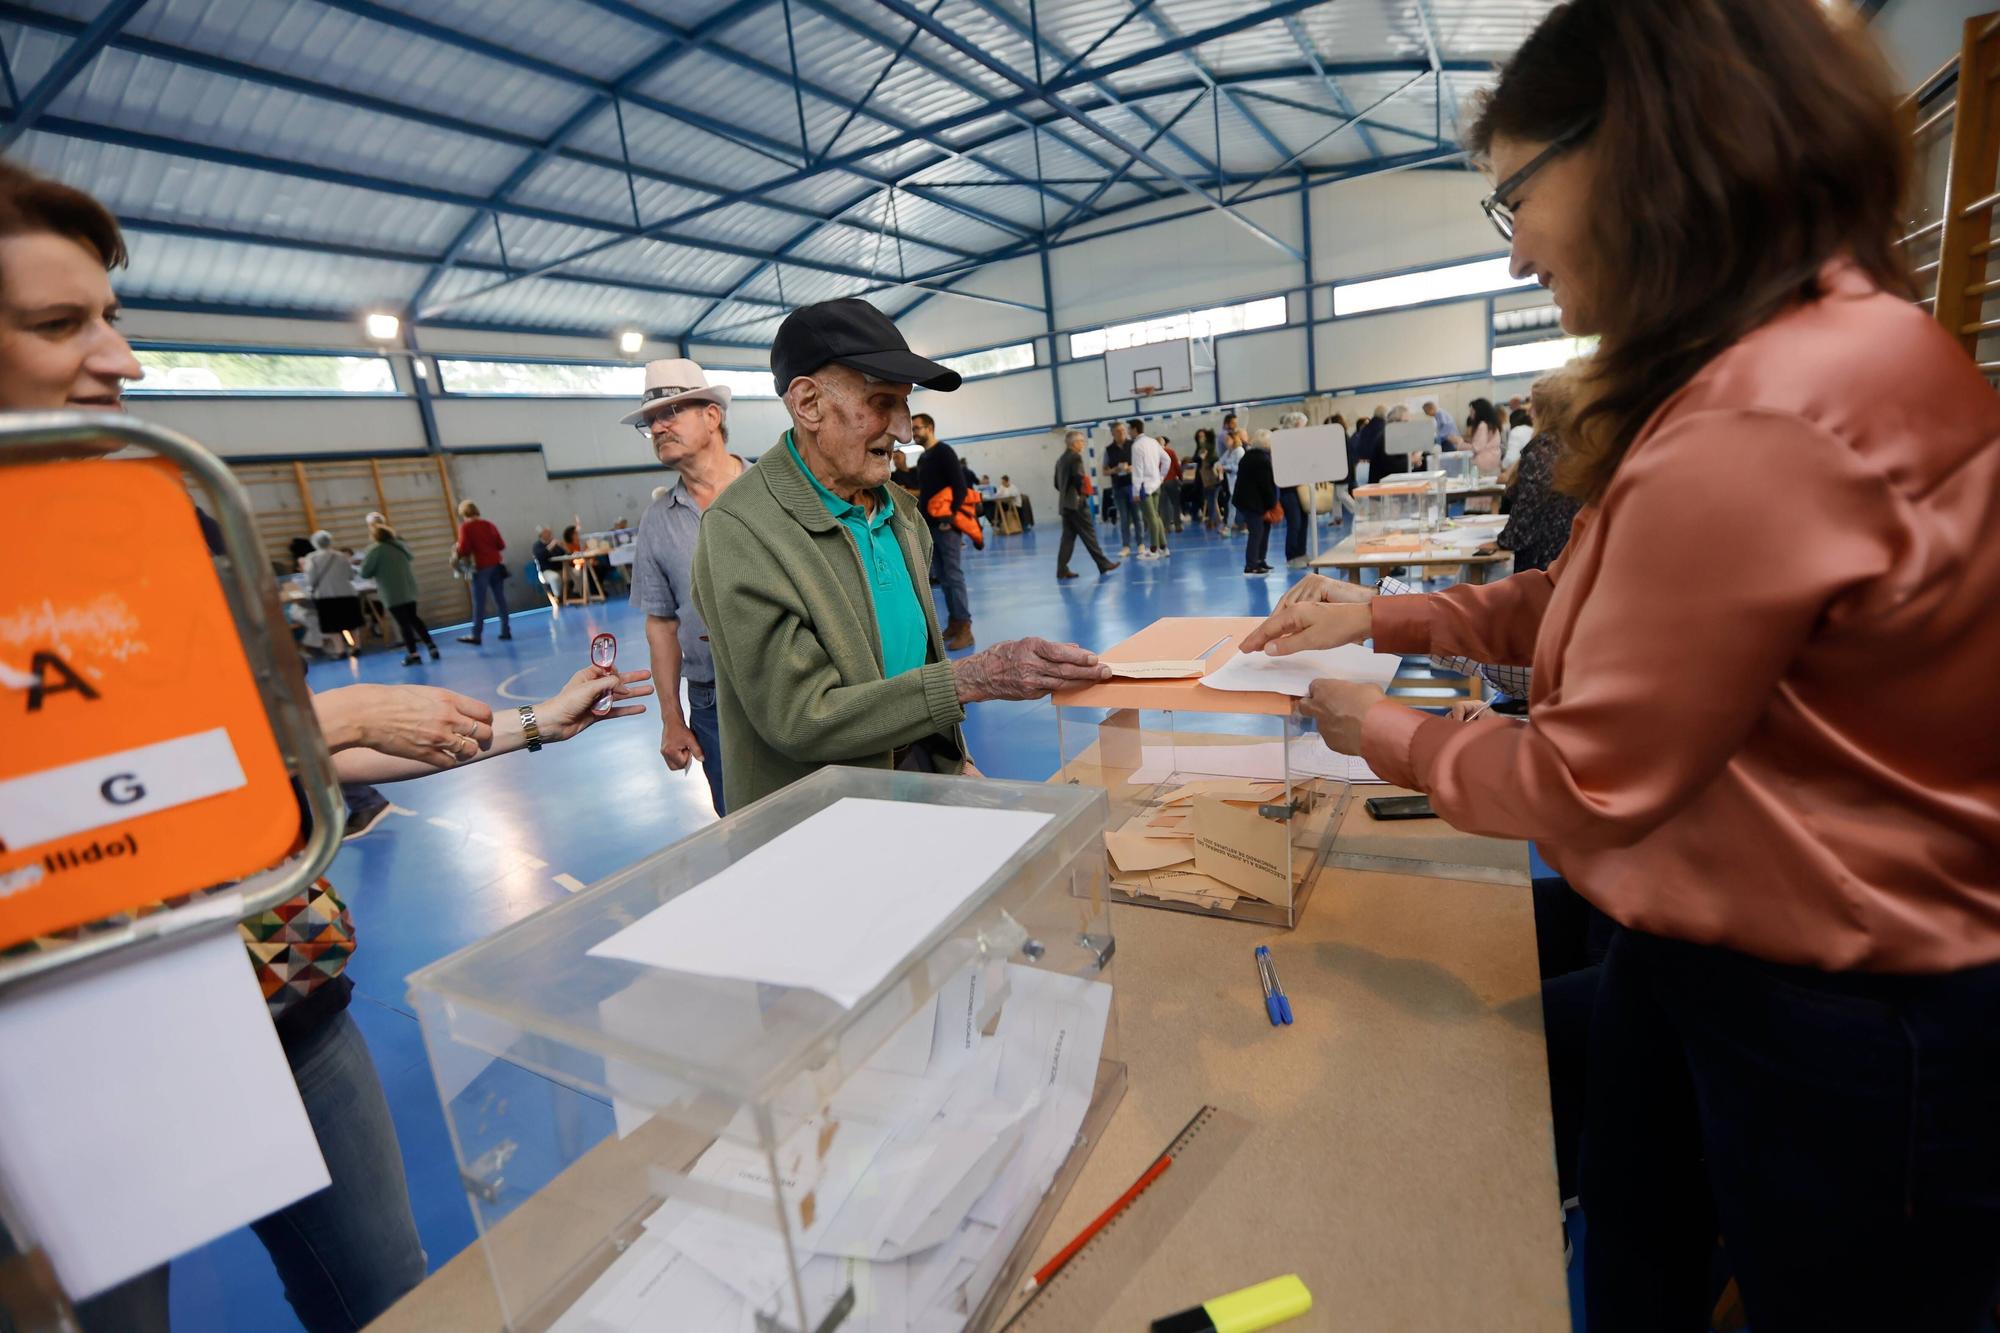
pixel 898 614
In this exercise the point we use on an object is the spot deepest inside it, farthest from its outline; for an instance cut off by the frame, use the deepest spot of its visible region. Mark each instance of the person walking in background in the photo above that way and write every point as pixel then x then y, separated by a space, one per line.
pixel 1232 462
pixel 1255 495
pixel 1149 472
pixel 394 570
pixel 1297 509
pixel 1170 488
pixel 1118 488
pixel 1071 472
pixel 1364 448
pixel 1208 470
pixel 481 543
pixel 1539 516
pixel 939 472
pixel 1520 429
pixel 1447 429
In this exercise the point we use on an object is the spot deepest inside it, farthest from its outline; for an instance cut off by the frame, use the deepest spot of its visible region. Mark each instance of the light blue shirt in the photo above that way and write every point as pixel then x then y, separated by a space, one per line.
pixel 1446 426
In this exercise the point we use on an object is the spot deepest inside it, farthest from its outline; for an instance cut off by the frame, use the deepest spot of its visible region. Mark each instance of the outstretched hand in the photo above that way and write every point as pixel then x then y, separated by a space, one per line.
pixel 1025 669
pixel 1320 588
pixel 567 712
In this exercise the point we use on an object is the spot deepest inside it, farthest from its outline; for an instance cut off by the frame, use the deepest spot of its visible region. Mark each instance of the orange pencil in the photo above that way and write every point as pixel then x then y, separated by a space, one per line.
pixel 1068 1252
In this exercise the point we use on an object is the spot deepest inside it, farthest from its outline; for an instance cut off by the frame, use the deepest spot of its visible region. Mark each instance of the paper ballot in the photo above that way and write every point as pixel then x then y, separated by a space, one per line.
pixel 942 1160
pixel 1294 673
pixel 814 907
pixel 148 1109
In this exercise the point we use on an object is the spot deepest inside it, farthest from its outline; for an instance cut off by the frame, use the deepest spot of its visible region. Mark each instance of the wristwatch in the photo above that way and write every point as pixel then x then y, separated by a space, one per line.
pixel 530 728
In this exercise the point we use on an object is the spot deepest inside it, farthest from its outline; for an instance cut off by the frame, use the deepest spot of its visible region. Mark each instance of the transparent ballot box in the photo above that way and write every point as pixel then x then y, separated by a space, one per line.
pixel 831 1063
pixel 1221 801
pixel 1409 505
pixel 1458 467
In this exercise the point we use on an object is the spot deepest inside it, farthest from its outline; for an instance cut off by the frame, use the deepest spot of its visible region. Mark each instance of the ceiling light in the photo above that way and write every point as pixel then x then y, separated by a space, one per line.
pixel 383 327
pixel 630 341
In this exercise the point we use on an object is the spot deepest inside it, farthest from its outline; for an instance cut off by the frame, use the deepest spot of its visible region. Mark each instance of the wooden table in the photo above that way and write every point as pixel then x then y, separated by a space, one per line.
pixel 581 577
pixel 1347 561
pixel 1399 1158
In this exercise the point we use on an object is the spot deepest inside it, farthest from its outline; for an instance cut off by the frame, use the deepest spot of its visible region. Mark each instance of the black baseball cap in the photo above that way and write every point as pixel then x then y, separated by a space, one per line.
pixel 853 333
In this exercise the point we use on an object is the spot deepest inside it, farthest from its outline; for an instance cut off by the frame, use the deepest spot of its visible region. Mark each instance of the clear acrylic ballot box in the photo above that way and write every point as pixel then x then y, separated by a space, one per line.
pixel 1222 802
pixel 831 1063
pixel 1411 504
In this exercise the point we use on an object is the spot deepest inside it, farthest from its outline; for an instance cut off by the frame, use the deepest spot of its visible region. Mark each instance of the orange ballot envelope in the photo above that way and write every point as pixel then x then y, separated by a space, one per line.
pixel 139 763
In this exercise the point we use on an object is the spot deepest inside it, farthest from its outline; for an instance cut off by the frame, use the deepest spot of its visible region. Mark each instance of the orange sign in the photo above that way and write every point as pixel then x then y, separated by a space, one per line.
pixel 138 762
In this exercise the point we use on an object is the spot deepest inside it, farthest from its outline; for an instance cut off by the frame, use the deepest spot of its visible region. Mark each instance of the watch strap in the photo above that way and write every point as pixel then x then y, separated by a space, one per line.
pixel 530 728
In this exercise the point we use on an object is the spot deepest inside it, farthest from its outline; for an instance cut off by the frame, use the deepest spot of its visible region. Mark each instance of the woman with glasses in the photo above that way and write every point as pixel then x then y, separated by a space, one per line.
pixel 1749 742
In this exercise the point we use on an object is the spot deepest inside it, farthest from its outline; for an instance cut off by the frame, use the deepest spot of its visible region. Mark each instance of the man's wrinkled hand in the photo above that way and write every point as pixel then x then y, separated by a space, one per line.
pixel 1025 669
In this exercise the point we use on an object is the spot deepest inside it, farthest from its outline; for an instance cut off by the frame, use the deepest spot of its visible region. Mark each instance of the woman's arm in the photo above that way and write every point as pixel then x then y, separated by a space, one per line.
pixel 391 733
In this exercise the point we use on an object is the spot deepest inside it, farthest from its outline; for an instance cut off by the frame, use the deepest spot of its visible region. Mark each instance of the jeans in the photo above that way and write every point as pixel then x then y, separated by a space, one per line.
pixel 489 582
pixel 1214 509
pixel 1296 519
pixel 1077 527
pixel 707 729
pixel 345 1254
pixel 1156 530
pixel 948 568
pixel 1257 549
pixel 1840 1131
pixel 1128 517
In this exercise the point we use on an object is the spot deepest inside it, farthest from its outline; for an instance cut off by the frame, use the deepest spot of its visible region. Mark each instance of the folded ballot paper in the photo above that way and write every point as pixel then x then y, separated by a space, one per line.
pixel 910 1186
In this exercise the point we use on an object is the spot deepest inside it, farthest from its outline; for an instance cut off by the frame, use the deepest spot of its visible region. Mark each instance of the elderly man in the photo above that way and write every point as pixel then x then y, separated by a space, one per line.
pixel 812 574
pixel 1075 507
pixel 684 419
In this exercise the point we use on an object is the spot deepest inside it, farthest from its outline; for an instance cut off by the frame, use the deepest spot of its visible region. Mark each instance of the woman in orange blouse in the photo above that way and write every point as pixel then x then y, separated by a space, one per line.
pixel 1761 736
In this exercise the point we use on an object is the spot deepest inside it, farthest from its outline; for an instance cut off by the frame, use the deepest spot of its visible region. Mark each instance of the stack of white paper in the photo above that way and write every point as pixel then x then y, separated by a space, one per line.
pixel 1294 673
pixel 911 1185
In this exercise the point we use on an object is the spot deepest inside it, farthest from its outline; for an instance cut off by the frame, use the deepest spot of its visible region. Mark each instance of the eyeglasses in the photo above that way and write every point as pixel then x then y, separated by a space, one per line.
pixel 645 426
pixel 1498 210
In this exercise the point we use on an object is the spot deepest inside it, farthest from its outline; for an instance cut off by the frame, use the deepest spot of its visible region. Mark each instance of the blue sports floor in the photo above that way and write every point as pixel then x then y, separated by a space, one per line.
pixel 468 852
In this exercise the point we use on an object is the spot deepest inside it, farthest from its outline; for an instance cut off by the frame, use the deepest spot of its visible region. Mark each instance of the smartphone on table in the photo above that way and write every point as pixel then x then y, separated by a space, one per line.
pixel 1400 807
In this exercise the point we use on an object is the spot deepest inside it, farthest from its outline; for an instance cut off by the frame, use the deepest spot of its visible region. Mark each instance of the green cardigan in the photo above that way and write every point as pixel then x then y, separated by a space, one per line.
pixel 390 565
pixel 798 655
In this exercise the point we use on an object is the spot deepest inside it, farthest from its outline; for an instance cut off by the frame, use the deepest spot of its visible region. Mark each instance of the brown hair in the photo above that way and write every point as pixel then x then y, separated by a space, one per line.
pixel 467 509
pixel 1741 145
pixel 31 203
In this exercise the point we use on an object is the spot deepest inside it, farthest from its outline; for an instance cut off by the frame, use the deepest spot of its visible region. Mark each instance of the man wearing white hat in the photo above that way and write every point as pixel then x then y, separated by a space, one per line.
pixel 684 419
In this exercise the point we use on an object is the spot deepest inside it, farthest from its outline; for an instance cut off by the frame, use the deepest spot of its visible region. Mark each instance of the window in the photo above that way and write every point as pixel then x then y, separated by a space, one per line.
pixel 744 383
pixel 556 379
pixel 1266 313
pixel 262 372
pixel 1535 357
pixel 1520 321
pixel 1432 284
pixel 992 361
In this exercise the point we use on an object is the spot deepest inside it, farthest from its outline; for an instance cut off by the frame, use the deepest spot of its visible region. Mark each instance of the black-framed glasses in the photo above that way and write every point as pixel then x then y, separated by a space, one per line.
pixel 1498 210
pixel 667 413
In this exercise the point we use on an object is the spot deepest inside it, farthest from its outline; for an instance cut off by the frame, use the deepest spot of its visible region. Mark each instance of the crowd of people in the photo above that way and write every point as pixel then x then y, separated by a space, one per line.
pixel 1746 746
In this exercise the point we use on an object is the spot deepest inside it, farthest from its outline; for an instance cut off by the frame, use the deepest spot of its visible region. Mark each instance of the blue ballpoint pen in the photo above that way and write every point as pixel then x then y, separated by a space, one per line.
pixel 1276 1004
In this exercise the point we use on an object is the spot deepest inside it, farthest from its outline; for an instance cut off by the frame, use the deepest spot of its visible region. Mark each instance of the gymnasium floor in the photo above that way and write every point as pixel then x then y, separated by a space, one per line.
pixel 466 853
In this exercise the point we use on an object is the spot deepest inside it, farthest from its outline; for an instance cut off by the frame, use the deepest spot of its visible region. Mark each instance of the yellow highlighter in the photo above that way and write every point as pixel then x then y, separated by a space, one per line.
pixel 1243 1311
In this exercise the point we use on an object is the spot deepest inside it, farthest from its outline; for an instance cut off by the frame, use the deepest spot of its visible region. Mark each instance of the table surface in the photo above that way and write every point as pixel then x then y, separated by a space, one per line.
pixel 1345 556
pixel 1399 1158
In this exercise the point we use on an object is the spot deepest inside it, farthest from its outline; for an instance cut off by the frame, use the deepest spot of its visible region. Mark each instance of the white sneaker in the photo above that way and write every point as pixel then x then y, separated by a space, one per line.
pixel 1124 550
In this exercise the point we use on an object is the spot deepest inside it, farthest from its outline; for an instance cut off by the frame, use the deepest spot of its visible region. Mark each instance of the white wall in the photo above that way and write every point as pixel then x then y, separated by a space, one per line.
pixel 1920 35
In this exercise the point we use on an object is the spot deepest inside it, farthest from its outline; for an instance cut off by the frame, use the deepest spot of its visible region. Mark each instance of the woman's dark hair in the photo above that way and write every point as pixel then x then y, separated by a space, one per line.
pixel 569 536
pixel 1482 409
pixel 1520 418
pixel 1740 145
pixel 31 203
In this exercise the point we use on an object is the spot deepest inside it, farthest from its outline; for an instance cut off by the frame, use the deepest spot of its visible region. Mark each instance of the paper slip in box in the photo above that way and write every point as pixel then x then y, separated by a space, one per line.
pixel 1243 848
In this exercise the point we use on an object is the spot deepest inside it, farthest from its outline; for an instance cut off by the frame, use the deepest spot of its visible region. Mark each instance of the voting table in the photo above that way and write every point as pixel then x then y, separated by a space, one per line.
pixel 1393 1146
pixel 1348 562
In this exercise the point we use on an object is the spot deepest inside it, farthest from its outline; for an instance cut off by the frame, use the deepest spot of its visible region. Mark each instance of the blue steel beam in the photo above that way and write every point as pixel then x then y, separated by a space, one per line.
pixel 798 86
pixel 1311 53
pixel 1352 120
pixel 81 51
pixel 1378 126
pixel 1109 181
pixel 1103 89
pixel 978 56
pixel 776 150
pixel 1429 27
pixel 1138 7
pixel 1165 28
pixel 7 73
pixel 343 97
pixel 945 72
pixel 534 161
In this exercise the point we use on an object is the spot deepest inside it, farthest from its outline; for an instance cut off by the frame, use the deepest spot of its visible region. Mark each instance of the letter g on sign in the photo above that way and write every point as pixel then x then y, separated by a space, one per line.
pixel 123 789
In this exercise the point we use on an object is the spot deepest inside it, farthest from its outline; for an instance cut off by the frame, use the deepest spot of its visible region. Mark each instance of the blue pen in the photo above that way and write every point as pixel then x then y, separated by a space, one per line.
pixel 1276 1004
